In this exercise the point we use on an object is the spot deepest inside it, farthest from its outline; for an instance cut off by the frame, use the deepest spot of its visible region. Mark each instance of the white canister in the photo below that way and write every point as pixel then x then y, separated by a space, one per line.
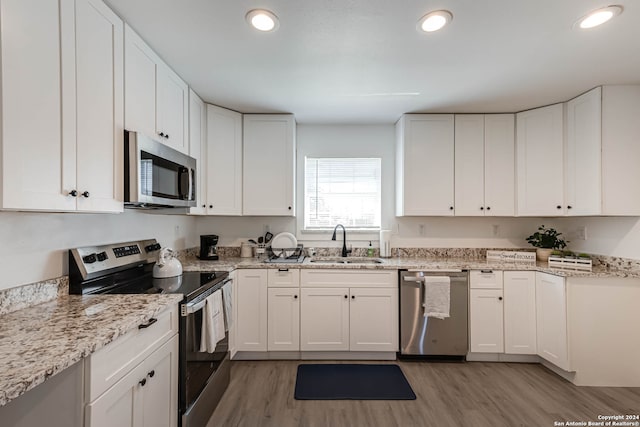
pixel 385 243
pixel 246 250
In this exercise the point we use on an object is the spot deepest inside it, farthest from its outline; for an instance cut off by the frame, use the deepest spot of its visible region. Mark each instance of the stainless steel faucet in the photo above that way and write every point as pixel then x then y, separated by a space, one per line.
pixel 345 252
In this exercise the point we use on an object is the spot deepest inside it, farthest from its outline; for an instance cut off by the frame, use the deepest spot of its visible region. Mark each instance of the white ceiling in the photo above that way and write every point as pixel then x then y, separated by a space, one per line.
pixel 332 61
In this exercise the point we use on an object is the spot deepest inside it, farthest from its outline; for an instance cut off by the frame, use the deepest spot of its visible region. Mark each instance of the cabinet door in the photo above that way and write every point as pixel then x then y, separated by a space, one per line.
pixel 251 325
pixel 540 161
pixel 551 319
pixel 520 312
pixel 120 405
pixel 583 154
pixel 224 162
pixel 38 104
pixel 425 165
pixel 269 165
pixel 172 108
pixel 284 319
pixel 469 165
pixel 485 323
pixel 140 87
pixel 499 165
pixel 620 150
pixel 373 315
pixel 160 392
pixel 324 319
pixel 198 149
pixel 100 107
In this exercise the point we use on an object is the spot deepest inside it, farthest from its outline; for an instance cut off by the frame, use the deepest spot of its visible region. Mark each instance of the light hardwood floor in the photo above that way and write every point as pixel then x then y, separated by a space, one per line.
pixel 448 394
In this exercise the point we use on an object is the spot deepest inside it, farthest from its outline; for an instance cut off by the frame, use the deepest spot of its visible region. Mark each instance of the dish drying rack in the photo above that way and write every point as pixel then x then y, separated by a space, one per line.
pixel 286 255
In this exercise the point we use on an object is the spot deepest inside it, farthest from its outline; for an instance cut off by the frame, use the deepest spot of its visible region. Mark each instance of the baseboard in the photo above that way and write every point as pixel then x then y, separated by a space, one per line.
pixel 315 355
pixel 569 376
pixel 502 357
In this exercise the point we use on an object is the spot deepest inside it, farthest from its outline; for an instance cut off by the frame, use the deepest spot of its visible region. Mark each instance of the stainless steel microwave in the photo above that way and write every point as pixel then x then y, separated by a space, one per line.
pixel 155 175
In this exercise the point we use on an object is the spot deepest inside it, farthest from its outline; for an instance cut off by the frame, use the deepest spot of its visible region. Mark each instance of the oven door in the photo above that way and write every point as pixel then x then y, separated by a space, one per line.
pixel 204 376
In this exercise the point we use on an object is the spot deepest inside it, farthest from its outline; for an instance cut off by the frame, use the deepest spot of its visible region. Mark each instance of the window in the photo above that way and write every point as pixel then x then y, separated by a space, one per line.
pixel 342 191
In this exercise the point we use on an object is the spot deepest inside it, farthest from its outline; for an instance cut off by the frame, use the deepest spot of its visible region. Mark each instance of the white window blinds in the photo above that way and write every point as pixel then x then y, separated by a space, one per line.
pixel 342 191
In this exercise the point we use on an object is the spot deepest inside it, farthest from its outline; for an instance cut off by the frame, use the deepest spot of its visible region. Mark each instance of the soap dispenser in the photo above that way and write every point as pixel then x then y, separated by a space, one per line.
pixel 370 250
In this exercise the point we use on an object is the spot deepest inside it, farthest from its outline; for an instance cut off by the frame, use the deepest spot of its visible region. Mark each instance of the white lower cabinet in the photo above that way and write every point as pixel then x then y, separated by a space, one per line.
pixel 139 389
pixel 324 319
pixel 350 311
pixel 146 396
pixel 503 312
pixel 520 312
pixel 373 319
pixel 283 319
pixel 251 320
pixel 486 317
pixel 316 310
pixel 486 312
pixel 551 313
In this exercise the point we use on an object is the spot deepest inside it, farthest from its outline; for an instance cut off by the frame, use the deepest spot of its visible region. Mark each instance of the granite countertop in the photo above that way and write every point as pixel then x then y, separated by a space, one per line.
pixel 43 340
pixel 396 263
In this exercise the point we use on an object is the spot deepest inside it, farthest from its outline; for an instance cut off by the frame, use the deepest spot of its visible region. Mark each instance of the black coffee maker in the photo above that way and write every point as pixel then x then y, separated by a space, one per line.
pixel 209 247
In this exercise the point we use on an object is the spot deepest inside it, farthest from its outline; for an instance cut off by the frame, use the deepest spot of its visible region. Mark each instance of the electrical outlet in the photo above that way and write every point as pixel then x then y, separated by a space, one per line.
pixel 267 228
pixel 421 229
pixel 495 230
pixel 581 233
pixel 176 231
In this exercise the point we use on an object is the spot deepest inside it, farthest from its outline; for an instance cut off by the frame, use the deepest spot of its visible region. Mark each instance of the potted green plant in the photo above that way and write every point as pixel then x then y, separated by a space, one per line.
pixel 545 240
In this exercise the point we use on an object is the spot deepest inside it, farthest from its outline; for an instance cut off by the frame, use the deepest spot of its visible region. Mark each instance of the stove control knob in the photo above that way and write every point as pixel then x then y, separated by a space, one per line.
pixel 89 259
pixel 102 256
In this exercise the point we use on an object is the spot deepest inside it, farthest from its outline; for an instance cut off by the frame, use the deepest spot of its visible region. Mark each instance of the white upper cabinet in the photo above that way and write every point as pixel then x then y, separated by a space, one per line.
pixel 469 165
pixel 425 165
pixel 99 107
pixel 583 153
pixel 620 150
pixel 62 106
pixel 198 148
pixel 156 99
pixel 539 152
pixel 223 162
pixel 269 165
pixel 484 165
pixel 499 165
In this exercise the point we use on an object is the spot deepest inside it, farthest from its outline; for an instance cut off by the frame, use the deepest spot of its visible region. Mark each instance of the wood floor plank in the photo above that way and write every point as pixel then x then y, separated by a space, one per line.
pixel 448 394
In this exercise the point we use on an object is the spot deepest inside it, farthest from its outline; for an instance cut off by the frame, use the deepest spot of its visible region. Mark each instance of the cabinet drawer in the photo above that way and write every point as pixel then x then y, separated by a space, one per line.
pixel 485 279
pixel 357 278
pixel 109 364
pixel 283 278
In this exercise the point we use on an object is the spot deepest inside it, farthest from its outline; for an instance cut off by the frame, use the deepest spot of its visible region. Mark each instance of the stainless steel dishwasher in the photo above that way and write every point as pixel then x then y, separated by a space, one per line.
pixel 428 336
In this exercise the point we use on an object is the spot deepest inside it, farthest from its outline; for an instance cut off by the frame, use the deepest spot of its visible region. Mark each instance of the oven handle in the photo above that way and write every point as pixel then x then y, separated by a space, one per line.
pixel 194 306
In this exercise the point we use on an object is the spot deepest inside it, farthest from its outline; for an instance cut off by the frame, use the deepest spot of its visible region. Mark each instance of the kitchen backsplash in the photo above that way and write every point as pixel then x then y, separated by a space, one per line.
pixel 13 299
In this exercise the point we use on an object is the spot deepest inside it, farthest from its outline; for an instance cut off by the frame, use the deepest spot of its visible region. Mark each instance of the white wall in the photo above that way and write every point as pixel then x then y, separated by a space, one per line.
pixel 611 236
pixel 34 245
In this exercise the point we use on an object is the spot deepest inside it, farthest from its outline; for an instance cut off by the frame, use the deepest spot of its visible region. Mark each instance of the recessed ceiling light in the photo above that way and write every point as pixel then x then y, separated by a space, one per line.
pixel 262 20
pixel 433 21
pixel 598 17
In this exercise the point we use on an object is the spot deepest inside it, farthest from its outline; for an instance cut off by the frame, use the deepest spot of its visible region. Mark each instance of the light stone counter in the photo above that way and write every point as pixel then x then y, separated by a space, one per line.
pixel 427 263
pixel 40 341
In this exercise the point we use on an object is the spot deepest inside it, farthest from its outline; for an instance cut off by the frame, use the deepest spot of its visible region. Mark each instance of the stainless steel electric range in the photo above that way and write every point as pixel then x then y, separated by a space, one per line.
pixel 126 268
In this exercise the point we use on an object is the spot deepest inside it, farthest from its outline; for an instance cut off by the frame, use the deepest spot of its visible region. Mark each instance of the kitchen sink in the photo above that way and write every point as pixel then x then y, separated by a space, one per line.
pixel 341 260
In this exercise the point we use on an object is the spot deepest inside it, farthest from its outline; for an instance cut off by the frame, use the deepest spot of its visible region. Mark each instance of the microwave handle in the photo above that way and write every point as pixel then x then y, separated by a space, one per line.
pixel 191 195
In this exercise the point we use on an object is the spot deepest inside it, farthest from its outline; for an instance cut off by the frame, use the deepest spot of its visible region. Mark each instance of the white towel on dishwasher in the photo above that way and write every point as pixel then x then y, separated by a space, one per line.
pixel 212 322
pixel 437 296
